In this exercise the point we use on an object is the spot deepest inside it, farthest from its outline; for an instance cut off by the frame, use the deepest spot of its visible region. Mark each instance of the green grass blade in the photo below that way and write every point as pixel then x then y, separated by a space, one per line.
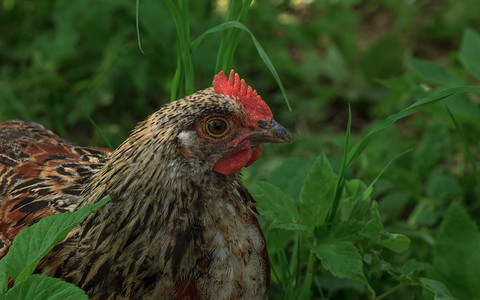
pixel 274 271
pixel 177 78
pixel 3 279
pixel 415 107
pixel 176 89
pixel 233 10
pixel 465 144
pixel 235 36
pixel 184 38
pixel 261 52
pixel 184 71
pixel 99 131
pixel 137 5
pixel 174 13
pixel 341 174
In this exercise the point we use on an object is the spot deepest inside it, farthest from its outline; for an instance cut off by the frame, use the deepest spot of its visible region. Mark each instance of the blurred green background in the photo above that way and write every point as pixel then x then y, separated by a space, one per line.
pixel 64 61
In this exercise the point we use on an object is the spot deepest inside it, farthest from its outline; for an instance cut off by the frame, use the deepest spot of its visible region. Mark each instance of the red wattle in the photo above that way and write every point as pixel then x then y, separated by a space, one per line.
pixel 255 155
pixel 235 161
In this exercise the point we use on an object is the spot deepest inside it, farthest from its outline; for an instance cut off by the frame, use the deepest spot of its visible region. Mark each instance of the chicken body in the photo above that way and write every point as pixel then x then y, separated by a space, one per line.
pixel 179 225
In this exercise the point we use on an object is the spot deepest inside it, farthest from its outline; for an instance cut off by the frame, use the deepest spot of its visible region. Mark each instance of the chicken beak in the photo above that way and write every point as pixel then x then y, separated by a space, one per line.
pixel 272 133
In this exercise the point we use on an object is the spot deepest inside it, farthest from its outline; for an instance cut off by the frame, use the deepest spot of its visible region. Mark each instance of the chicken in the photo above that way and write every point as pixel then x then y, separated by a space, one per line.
pixel 179 225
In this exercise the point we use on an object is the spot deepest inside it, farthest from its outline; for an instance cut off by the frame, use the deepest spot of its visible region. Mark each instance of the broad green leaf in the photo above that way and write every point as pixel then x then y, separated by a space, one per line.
pixel 469 50
pixel 424 213
pixel 332 284
pixel 412 266
pixel 34 242
pixel 439 289
pixel 341 258
pixel 430 71
pixel 372 230
pixel 276 206
pixel 455 253
pixel 396 242
pixel 357 203
pixel 383 58
pixel 348 230
pixel 316 193
pixel 464 108
pixel 3 279
pixel 41 287
pixel 297 170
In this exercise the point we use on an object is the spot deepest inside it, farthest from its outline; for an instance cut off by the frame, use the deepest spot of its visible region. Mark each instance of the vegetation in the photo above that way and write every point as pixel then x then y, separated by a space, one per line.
pixel 378 195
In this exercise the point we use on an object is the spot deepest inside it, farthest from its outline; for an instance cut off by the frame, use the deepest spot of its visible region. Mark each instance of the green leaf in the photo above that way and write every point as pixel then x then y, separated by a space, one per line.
pixel 411 267
pixel 276 206
pixel 439 289
pixel 455 253
pixel 464 108
pixel 316 193
pixel 348 230
pixel 383 58
pixel 395 242
pixel 424 213
pixel 372 230
pixel 34 242
pixel 469 50
pixel 297 170
pixel 3 279
pixel 430 71
pixel 341 258
pixel 39 287
pixel 357 204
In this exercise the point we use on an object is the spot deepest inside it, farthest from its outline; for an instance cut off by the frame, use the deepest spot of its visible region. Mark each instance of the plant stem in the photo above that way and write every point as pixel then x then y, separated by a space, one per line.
pixel 341 174
pixel 387 293
pixel 311 258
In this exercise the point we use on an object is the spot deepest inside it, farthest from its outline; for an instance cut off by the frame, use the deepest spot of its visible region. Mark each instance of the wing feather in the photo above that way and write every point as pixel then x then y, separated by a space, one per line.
pixel 40 175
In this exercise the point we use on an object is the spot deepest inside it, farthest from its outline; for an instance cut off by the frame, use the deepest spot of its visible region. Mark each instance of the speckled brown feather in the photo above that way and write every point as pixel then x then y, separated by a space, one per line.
pixel 40 175
pixel 173 229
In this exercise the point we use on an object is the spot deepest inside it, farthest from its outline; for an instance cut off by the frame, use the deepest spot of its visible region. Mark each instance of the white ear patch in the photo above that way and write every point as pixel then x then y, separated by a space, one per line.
pixel 187 137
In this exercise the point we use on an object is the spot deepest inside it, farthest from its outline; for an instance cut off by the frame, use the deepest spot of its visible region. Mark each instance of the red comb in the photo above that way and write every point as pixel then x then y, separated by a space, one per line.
pixel 233 87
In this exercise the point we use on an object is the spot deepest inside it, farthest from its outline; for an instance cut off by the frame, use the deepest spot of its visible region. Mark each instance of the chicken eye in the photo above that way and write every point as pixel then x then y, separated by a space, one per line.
pixel 217 127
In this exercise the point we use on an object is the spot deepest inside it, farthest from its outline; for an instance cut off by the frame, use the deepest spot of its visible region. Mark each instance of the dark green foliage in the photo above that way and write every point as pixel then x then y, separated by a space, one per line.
pixel 404 224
